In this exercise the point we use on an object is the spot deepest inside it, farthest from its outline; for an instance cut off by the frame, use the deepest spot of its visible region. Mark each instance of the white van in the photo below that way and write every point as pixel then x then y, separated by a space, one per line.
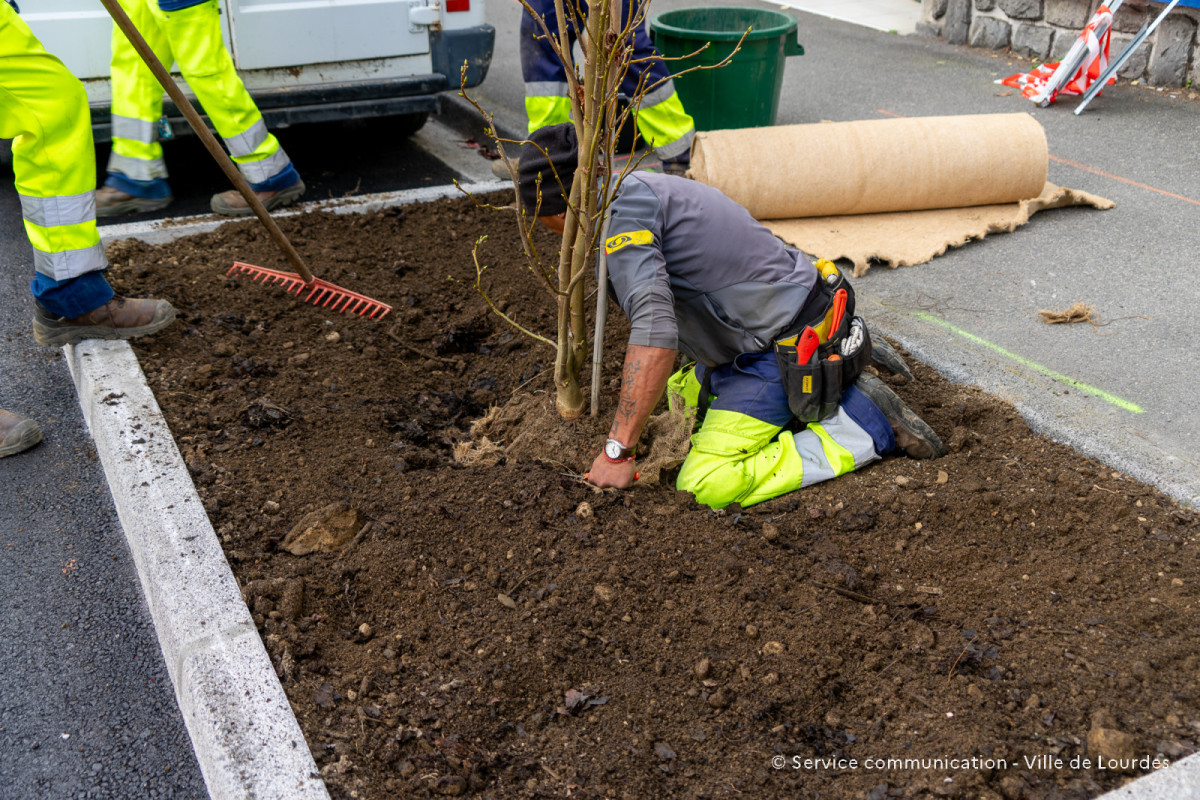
pixel 302 60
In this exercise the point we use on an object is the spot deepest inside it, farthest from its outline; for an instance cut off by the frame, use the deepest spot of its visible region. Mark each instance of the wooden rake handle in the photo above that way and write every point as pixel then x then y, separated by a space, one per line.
pixel 183 104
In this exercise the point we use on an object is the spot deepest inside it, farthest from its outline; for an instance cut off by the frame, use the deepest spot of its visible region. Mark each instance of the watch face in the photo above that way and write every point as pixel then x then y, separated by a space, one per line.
pixel 613 449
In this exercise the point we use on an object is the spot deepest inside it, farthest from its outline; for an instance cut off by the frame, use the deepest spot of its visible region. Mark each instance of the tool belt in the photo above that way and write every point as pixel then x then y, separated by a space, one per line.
pixel 825 350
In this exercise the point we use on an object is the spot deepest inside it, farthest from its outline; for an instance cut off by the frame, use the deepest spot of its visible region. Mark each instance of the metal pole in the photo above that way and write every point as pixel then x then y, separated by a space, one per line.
pixel 1120 60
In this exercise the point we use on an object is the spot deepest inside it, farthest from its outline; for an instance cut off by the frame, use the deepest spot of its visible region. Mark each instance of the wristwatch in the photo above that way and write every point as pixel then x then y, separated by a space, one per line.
pixel 616 452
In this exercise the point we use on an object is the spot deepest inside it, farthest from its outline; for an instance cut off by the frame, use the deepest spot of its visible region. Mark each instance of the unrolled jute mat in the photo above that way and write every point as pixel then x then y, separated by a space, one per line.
pixel 899 191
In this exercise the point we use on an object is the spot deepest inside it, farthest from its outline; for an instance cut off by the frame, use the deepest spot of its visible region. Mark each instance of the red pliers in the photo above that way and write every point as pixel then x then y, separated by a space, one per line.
pixel 839 310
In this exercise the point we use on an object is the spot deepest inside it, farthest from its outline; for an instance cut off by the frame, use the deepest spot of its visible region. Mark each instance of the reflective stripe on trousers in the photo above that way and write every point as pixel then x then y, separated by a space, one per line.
pixel 737 458
pixel 43 108
pixel 661 122
pixel 190 37
pixel 661 119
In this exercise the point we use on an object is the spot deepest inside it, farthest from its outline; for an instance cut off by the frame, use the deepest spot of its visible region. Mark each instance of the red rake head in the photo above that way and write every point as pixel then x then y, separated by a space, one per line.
pixel 321 293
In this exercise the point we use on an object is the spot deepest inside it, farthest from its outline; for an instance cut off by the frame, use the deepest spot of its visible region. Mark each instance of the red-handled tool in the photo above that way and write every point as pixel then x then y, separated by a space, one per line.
pixel 806 345
pixel 839 310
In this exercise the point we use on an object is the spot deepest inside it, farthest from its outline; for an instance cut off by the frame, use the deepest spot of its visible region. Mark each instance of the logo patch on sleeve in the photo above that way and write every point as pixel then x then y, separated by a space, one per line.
pixel 614 243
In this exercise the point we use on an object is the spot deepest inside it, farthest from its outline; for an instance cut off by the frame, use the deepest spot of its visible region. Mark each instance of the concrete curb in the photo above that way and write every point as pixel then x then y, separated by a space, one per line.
pixel 459 114
pixel 1180 781
pixel 160 232
pixel 247 740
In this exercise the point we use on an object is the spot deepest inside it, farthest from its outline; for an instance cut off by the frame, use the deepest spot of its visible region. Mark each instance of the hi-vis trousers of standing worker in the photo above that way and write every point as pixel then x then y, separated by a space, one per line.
pixel 742 454
pixel 191 38
pixel 660 119
pixel 44 110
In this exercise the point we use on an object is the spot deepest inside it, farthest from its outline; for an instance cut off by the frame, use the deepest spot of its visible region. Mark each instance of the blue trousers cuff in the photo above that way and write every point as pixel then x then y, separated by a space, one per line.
pixel 71 297
pixel 868 416
pixel 281 181
pixel 152 189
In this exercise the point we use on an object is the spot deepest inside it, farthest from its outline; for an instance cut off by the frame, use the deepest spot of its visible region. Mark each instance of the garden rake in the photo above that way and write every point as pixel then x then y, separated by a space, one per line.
pixel 320 292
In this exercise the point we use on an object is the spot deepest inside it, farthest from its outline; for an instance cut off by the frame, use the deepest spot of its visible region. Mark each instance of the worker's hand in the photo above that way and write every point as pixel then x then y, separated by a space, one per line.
pixel 605 473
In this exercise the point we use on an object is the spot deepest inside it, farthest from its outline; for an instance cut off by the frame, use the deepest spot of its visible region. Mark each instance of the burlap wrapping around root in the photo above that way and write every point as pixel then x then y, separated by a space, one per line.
pixel 527 429
pixel 667 436
pixel 901 191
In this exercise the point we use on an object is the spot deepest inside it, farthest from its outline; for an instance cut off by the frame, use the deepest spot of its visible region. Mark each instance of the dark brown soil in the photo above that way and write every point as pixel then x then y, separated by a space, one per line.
pixel 508 632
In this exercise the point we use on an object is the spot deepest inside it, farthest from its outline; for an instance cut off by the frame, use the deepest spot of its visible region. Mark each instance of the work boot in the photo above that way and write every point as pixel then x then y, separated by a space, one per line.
pixel 232 204
pixel 676 167
pixel 17 433
pixel 884 355
pixel 119 318
pixel 112 202
pixel 913 435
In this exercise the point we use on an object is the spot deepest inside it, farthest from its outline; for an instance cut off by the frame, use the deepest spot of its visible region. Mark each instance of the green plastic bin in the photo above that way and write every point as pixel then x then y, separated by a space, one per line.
pixel 745 92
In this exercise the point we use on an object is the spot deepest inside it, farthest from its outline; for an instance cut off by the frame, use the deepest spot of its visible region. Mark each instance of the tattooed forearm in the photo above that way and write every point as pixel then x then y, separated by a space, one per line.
pixel 627 404
pixel 642 383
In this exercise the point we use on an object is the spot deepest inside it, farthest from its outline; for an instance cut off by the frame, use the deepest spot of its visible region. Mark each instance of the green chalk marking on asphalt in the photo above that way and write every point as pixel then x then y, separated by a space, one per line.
pixel 1025 362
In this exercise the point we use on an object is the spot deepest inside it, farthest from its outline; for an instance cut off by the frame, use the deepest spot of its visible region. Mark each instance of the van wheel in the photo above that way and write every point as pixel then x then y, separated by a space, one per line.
pixel 408 124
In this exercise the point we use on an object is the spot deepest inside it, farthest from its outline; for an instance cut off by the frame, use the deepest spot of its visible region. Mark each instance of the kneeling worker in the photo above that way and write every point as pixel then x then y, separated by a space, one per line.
pixel 694 272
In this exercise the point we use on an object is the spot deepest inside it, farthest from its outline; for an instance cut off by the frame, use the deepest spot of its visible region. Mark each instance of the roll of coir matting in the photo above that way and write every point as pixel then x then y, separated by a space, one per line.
pixel 898 191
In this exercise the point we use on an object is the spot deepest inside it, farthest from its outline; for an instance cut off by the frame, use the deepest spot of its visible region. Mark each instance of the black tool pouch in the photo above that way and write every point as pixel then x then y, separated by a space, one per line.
pixel 804 384
pixel 814 389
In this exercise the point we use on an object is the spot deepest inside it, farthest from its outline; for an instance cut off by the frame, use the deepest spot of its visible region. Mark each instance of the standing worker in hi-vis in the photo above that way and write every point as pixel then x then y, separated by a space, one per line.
pixel 44 110
pixel 659 116
pixel 188 33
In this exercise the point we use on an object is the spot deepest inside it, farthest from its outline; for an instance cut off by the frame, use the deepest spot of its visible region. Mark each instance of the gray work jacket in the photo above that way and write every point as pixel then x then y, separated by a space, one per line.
pixel 693 271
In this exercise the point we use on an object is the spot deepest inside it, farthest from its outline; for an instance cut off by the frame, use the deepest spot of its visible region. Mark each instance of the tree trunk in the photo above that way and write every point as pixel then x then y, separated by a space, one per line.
pixel 569 398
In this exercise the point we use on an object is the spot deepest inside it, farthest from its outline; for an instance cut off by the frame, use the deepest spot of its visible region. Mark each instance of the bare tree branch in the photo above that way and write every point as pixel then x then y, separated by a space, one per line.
pixel 479 270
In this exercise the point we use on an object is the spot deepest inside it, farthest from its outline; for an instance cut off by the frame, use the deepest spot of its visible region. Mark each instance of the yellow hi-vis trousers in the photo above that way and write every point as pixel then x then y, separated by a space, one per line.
pixel 739 458
pixel 190 37
pixel 660 119
pixel 44 110
pixel 659 116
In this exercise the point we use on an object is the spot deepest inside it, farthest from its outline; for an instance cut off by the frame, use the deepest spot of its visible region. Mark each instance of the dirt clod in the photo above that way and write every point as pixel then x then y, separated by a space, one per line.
pixel 323 531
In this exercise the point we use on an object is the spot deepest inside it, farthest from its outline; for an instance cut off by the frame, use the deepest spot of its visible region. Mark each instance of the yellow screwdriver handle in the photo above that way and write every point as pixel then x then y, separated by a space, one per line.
pixel 829 273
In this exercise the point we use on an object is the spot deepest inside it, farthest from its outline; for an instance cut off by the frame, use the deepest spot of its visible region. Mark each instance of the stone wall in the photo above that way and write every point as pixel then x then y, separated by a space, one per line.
pixel 1045 30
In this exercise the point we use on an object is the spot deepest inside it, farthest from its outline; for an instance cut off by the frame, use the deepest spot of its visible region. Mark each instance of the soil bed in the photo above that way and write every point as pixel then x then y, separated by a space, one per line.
pixel 508 632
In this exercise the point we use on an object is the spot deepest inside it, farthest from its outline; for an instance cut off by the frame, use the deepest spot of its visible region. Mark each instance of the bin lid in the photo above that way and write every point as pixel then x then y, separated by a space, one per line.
pixel 723 23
